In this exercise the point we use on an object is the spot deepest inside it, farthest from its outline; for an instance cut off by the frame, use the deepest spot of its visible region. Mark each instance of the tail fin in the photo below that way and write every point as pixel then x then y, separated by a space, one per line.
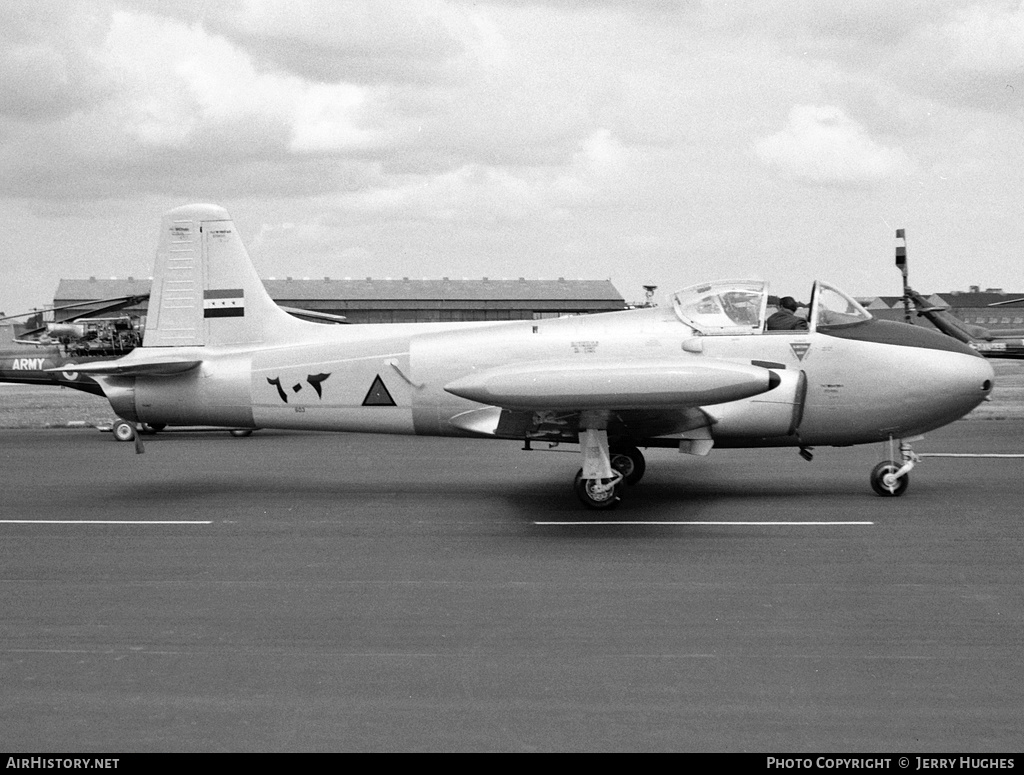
pixel 205 288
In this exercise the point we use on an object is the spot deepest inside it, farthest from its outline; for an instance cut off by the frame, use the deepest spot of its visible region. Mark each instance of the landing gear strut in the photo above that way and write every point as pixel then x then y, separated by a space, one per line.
pixel 597 483
pixel 891 479
pixel 606 469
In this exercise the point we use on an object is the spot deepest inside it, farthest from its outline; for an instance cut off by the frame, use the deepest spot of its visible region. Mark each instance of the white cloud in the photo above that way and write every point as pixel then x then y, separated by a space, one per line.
pixel 361 41
pixel 471 192
pixel 820 144
pixel 47 66
pixel 179 82
pixel 981 39
pixel 326 119
pixel 486 193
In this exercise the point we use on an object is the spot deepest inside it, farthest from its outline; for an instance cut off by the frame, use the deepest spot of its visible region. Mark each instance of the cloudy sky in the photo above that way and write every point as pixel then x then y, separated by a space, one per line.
pixel 645 141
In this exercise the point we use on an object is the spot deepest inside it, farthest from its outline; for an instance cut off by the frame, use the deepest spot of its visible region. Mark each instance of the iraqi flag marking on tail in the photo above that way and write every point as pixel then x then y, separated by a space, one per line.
pixel 228 303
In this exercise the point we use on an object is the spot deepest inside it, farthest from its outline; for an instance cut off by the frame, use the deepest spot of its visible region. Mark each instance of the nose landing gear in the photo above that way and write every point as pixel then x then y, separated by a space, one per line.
pixel 885 482
pixel 891 479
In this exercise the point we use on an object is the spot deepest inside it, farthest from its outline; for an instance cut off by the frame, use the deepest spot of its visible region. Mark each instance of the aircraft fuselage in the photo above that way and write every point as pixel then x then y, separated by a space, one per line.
pixel 835 390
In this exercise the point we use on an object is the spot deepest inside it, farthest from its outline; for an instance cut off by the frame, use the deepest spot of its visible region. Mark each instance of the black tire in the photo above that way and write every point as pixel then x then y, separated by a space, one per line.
pixel 123 430
pixel 241 432
pixel 878 474
pixel 628 461
pixel 590 499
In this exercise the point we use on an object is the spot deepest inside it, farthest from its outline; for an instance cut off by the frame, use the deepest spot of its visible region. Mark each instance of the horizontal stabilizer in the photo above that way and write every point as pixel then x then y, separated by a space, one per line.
pixel 128 367
pixel 572 385
pixel 316 317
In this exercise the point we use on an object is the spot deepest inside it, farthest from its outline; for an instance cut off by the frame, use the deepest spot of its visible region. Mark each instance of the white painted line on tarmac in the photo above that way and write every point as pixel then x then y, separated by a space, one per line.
pixel 742 524
pixel 105 522
pixel 970 454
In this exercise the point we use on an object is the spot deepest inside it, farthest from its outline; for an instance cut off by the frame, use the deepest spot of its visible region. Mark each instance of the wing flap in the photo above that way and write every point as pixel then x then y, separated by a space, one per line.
pixel 562 385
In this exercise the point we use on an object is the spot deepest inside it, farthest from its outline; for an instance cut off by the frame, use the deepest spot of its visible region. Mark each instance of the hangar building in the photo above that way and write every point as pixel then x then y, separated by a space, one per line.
pixel 406 300
pixel 371 300
pixel 973 306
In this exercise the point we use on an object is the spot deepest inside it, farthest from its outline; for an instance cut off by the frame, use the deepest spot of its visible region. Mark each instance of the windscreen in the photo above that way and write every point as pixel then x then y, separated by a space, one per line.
pixel 832 308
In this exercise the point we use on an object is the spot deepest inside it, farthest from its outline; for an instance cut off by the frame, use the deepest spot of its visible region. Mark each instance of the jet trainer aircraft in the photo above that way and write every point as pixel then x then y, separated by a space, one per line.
pixel 698 373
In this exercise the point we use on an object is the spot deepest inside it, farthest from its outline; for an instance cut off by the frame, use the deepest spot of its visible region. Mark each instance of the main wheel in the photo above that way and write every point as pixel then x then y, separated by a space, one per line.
pixel 241 432
pixel 628 461
pixel 123 430
pixel 593 497
pixel 888 487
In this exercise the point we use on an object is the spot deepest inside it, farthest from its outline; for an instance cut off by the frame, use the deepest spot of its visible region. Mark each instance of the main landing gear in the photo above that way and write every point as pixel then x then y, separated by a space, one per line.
pixel 606 470
pixel 628 461
pixel 598 493
pixel 891 479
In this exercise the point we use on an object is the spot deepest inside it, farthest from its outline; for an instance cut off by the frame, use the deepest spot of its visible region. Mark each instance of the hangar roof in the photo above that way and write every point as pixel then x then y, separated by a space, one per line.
pixel 326 288
pixel 954 300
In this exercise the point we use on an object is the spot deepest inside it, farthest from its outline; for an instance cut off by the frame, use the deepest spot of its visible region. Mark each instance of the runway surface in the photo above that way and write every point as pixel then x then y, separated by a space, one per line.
pixel 307 592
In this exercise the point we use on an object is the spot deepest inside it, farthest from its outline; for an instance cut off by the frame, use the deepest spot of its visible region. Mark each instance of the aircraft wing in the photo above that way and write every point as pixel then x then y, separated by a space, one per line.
pixel 613 385
pixel 152 366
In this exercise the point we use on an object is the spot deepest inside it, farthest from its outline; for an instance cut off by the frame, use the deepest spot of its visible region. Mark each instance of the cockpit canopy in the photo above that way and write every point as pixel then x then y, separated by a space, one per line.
pixel 740 307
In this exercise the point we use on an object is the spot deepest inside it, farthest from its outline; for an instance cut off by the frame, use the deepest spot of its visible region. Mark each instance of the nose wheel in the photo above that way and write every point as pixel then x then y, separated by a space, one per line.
pixel 885 482
pixel 891 479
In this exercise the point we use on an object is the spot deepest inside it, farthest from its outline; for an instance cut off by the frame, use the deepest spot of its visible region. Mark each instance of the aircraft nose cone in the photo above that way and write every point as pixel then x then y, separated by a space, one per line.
pixel 938 388
pixel 970 381
pixel 985 375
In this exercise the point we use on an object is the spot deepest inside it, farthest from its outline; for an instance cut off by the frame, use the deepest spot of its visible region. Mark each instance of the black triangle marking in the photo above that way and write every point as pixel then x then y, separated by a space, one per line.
pixel 378 394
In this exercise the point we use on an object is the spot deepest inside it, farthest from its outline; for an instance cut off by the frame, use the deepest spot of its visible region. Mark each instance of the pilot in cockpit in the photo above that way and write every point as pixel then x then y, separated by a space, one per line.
pixel 786 318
